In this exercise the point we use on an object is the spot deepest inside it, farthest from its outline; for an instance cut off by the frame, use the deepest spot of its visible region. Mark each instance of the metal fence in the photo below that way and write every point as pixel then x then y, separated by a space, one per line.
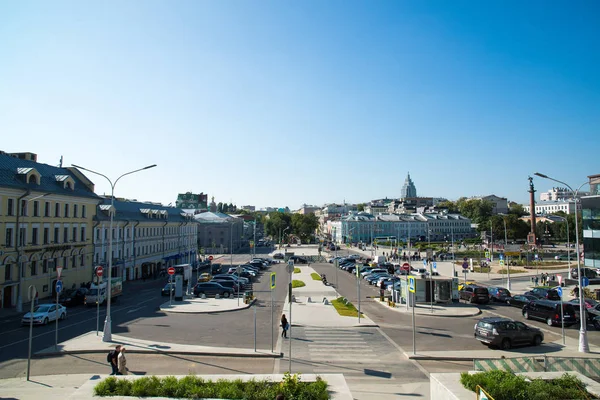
pixel 589 367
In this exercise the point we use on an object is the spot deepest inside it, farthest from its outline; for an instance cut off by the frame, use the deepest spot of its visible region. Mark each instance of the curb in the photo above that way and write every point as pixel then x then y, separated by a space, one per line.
pixel 369 325
pixel 246 306
pixel 162 352
pixel 472 314
pixel 444 358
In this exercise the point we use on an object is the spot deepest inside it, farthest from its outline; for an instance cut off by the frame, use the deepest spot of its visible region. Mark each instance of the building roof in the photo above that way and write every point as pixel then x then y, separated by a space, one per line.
pixel 131 210
pixel 214 217
pixel 14 172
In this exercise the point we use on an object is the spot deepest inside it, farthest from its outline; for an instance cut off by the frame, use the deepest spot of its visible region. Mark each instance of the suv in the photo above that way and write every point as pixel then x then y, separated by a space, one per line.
pixel 549 311
pixel 506 333
pixel 498 294
pixel 475 294
pixel 587 272
pixel 212 289
pixel 544 292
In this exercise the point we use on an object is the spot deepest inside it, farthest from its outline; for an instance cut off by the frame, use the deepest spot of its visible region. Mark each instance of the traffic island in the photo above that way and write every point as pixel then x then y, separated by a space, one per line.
pixel 196 305
pixel 456 310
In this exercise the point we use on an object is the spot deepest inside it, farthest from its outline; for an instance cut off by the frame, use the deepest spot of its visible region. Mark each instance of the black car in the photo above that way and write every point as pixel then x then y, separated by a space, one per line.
pixel 474 294
pixel 228 284
pixel 549 311
pixel 506 333
pixel 72 297
pixel 499 294
pixel 211 289
pixel 544 292
pixel 519 300
pixel 165 290
pixel 299 260
pixel 278 256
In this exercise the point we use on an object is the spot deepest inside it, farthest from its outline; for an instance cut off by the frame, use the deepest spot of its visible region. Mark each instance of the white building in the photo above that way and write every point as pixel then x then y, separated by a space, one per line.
pixel 500 204
pixel 550 207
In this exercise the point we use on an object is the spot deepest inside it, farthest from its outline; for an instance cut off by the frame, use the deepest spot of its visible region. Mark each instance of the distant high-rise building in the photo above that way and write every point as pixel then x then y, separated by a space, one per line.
pixel 408 189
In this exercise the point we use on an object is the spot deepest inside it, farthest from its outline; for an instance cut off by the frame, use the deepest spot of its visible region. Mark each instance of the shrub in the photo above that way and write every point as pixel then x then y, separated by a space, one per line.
pixel 316 276
pixel 296 270
pixel 503 385
pixel 344 307
pixel 297 284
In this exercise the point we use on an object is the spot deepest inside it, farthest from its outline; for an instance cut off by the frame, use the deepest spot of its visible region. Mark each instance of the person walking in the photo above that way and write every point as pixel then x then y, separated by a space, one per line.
pixel 122 362
pixel 284 326
pixel 112 358
pixel 536 280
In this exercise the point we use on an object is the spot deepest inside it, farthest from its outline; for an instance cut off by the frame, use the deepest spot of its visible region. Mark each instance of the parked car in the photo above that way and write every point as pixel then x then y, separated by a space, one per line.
pixel 549 311
pixel 45 313
pixel 229 284
pixel 474 294
pixel 519 300
pixel 506 333
pixel 589 303
pixel 72 297
pixel 212 289
pixel 299 260
pixel 204 277
pixel 165 290
pixel 587 272
pixel 278 256
pixel 544 292
pixel 498 294
pixel 461 285
pixel 243 281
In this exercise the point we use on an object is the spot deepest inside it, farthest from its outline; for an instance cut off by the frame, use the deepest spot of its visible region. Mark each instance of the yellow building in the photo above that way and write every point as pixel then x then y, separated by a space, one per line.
pixel 46 221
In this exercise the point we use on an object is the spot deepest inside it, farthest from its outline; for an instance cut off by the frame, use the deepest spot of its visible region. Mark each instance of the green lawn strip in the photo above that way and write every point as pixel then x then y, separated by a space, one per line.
pixel 194 387
pixel 503 385
pixel 345 309
pixel 297 284
pixel 296 270
pixel 316 276
pixel 513 270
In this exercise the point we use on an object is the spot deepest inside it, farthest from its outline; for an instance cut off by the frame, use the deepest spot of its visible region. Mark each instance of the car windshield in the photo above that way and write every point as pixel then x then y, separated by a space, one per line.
pixel 480 290
pixel 485 325
pixel 503 291
pixel 41 309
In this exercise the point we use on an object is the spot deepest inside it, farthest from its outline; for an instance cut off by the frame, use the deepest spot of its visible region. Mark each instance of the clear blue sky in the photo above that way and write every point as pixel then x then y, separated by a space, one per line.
pixel 279 103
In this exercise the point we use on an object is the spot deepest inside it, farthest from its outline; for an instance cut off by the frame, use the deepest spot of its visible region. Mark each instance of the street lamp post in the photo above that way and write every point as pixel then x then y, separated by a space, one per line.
pixel 506 258
pixel 107 337
pixel 583 342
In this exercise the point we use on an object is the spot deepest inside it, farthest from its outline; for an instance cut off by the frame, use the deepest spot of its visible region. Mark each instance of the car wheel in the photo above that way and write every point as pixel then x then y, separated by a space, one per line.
pixel 45 321
pixel 526 314
pixel 63 316
pixel 506 344
pixel 549 322
pixel 226 295
pixel 537 340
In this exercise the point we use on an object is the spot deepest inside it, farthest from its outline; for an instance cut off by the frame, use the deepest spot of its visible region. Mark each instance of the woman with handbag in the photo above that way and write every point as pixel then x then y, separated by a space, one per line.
pixel 284 326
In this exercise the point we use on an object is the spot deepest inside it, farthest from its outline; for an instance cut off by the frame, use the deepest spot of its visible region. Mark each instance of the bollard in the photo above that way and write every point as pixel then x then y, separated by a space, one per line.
pixel 325 301
pixel 203 296
pixel 217 296
pixel 309 300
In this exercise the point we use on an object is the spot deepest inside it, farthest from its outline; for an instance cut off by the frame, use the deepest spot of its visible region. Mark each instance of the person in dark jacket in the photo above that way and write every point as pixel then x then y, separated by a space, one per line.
pixel 284 326
pixel 114 360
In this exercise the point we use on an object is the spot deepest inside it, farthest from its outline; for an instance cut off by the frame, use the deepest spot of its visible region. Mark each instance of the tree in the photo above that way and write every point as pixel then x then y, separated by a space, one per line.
pixel 478 211
pixel 304 226
pixel 516 209
pixel 360 207
pixel 231 207
pixel 451 206
pixel 276 223
pixel 220 207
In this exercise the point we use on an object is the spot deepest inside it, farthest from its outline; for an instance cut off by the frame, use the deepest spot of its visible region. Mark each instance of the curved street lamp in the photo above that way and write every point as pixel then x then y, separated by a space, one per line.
pixel 107 337
pixel 583 342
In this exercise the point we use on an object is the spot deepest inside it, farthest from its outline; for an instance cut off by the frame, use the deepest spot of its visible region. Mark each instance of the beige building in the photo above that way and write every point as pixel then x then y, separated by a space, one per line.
pixel 46 221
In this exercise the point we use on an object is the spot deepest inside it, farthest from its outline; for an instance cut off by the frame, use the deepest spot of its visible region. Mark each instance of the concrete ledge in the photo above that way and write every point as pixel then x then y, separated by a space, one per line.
pixel 205 306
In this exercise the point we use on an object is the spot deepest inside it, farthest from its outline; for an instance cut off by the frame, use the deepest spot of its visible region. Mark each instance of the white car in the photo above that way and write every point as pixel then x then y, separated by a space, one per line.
pixel 45 313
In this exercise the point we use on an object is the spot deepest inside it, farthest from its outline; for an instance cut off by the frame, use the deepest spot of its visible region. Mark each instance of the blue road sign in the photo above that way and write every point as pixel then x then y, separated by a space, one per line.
pixel 559 291
pixel 501 256
pixel 465 265
pixel 272 280
pixel 425 262
pixel 411 284
pixel 434 265
pixel 59 286
pixel 585 281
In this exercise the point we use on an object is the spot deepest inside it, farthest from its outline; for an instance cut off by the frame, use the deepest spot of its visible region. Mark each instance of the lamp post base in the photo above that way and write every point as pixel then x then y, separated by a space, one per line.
pixel 583 342
pixel 107 336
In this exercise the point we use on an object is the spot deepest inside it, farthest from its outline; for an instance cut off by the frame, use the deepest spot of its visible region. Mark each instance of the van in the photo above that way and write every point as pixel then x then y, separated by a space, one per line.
pixel 549 311
pixel 474 294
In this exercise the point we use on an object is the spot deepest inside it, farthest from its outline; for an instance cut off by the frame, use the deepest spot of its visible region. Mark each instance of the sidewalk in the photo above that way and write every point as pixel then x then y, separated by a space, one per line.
pixel 316 313
pixel 90 343
pixel 445 310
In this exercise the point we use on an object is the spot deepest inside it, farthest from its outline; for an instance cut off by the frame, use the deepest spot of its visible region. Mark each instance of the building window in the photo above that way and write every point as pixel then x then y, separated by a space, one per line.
pixel 82 260
pixel 65 262
pixel 36 208
pixel 46 235
pixel 7 272
pixel 10 207
pixel 22 236
pixel 56 234
pixel 83 234
pixel 113 233
pixel 34 265
pixel 34 236
pixel 23 208
pixel 83 211
pixel 74 261
pixel 44 266
pixel 75 210
pixel 65 235
pixel 57 210
pixel 105 234
pixel 9 237
pixel 66 210
pixel 74 236
pixel 46 209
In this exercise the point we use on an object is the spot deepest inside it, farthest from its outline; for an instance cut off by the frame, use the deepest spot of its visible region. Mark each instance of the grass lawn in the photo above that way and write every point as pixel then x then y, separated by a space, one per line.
pixel 297 284
pixel 296 270
pixel 513 270
pixel 316 276
pixel 345 310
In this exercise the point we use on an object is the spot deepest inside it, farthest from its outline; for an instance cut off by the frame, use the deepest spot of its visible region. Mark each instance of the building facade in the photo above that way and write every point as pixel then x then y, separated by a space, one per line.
pixel 46 221
pixel 192 201
pixel 594 184
pixel 499 204
pixel 408 189
pixel 146 238
pixel 220 233
pixel 550 207
pixel 591 230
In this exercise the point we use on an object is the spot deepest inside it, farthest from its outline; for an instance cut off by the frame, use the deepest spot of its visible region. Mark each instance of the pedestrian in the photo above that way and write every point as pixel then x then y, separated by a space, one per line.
pixel 536 281
pixel 285 325
pixel 122 362
pixel 532 280
pixel 112 359
pixel 576 291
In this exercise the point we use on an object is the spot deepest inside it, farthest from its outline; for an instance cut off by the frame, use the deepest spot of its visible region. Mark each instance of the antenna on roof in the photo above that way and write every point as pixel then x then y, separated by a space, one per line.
pixel 61 160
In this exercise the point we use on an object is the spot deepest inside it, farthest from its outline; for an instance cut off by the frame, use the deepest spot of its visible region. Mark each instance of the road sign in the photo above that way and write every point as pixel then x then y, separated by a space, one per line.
pixel 585 281
pixel 405 267
pixel 434 265
pixel 31 293
pixel 501 262
pixel 411 284
pixel 501 256
pixel 272 280
pixel 536 256
pixel 59 286
pixel 559 278
pixel 171 271
pixel 465 265
pixel 290 267
pixel 99 271
pixel 487 254
pixel 58 271
pixel 559 291
pixel 425 262
pixel 210 258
